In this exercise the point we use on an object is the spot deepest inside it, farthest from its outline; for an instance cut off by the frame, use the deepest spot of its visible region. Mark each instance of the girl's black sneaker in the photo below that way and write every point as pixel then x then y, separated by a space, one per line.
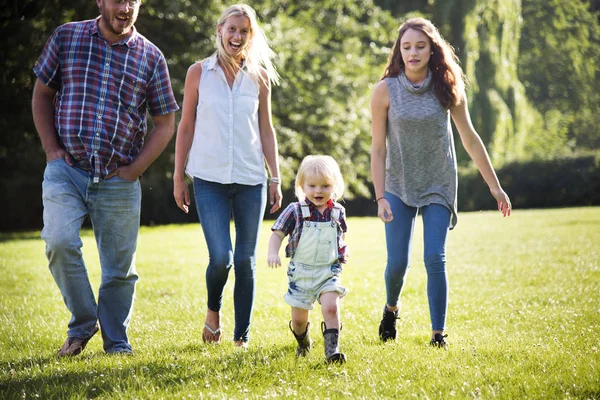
pixel 387 326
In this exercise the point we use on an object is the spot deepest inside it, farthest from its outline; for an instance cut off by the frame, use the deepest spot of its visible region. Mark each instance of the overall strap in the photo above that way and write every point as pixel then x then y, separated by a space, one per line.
pixel 335 212
pixel 304 208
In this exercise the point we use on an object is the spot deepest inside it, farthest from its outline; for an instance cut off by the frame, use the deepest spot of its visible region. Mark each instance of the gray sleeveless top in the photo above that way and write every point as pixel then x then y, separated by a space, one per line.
pixel 421 160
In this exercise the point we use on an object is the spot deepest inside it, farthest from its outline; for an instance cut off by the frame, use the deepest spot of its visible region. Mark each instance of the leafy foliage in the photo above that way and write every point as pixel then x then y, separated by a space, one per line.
pixel 534 88
pixel 560 182
pixel 323 105
pixel 558 63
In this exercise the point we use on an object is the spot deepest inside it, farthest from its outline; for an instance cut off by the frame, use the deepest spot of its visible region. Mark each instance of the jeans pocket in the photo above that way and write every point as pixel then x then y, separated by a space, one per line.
pixel 55 160
pixel 117 178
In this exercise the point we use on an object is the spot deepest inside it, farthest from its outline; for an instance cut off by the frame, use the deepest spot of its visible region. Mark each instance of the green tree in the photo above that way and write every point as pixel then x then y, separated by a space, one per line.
pixel 25 26
pixel 558 62
pixel 485 35
pixel 534 87
pixel 330 54
pixel 489 32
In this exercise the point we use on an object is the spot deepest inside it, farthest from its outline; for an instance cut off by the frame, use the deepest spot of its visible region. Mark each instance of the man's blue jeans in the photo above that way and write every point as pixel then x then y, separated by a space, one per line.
pixel 69 195
pixel 216 203
pixel 398 234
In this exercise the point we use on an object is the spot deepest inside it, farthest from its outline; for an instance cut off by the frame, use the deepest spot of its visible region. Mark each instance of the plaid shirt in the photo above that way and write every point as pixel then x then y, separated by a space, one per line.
pixel 290 223
pixel 103 93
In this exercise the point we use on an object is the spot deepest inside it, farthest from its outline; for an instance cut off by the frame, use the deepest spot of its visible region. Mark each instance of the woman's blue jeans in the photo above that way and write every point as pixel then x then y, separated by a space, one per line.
pixel 70 195
pixel 398 234
pixel 216 203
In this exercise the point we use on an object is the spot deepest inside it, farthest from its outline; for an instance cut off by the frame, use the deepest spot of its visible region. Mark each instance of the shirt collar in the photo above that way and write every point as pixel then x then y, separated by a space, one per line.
pixel 130 42
pixel 212 62
pixel 312 206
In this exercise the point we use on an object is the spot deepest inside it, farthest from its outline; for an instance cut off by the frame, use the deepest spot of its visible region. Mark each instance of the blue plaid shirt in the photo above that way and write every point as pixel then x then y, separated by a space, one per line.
pixel 290 223
pixel 103 93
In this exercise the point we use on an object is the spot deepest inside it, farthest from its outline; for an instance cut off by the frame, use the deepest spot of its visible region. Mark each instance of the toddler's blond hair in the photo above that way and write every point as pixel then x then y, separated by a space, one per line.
pixel 321 166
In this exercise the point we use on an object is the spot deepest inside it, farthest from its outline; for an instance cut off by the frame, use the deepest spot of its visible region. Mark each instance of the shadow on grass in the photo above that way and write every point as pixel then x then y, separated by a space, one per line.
pixel 93 375
pixel 15 236
pixel 590 222
pixel 84 383
pixel 586 394
pixel 34 235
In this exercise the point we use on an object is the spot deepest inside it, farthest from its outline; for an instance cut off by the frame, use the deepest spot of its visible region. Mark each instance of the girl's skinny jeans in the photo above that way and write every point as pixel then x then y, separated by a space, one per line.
pixel 398 234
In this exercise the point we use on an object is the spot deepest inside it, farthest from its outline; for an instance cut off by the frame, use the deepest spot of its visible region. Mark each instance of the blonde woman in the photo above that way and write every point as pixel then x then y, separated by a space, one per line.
pixel 224 137
pixel 316 225
pixel 413 162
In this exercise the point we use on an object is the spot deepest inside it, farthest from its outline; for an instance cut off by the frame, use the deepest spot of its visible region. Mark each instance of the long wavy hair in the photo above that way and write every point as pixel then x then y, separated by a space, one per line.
pixel 447 75
pixel 256 53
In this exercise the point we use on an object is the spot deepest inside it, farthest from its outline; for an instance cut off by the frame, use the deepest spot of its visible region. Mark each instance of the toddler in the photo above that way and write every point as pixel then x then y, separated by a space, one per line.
pixel 316 226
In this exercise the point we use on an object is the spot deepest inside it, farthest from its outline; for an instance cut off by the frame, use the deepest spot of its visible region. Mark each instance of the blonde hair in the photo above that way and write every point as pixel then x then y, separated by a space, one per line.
pixel 448 77
pixel 321 166
pixel 256 54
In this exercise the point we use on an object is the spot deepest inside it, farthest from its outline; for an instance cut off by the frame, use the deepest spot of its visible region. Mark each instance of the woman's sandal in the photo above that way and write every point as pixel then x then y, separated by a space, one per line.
pixel 210 335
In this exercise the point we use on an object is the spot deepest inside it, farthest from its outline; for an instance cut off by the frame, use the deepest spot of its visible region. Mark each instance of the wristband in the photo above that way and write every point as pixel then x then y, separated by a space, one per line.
pixel 379 198
pixel 275 179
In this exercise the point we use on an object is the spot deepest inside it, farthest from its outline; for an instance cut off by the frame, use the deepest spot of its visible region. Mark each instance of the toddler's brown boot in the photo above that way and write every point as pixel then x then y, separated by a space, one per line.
pixel 331 338
pixel 304 343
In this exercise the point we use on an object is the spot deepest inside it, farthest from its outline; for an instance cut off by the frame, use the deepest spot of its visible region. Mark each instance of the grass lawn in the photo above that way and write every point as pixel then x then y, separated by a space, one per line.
pixel 523 320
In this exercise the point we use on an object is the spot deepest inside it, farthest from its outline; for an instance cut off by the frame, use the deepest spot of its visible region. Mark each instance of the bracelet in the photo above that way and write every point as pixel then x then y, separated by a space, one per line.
pixel 275 179
pixel 379 198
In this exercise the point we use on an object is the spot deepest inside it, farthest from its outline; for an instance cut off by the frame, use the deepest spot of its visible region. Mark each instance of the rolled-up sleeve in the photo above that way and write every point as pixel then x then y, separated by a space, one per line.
pixel 161 100
pixel 47 67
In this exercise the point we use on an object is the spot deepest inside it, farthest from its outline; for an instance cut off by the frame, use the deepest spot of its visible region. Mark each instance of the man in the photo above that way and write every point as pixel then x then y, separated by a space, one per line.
pixel 96 80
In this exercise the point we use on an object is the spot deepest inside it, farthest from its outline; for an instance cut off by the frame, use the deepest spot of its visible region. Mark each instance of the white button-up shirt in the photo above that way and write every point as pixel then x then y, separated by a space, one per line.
pixel 226 147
